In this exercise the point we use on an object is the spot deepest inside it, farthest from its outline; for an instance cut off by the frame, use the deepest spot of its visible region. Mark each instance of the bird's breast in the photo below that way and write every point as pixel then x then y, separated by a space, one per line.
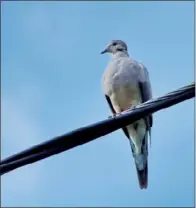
pixel 121 85
pixel 125 96
pixel 123 92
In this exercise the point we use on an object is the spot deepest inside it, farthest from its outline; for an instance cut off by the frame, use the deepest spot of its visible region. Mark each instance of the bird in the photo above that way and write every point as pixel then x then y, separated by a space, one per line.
pixel 125 84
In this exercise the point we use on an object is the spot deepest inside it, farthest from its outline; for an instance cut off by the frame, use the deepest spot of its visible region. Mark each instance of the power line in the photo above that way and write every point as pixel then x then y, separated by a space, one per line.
pixel 86 134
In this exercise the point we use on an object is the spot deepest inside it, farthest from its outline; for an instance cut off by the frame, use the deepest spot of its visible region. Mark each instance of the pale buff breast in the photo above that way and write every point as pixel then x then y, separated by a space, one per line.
pixel 125 96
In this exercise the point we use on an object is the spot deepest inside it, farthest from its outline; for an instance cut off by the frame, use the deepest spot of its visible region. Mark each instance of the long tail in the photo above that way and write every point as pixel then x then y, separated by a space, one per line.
pixel 143 176
pixel 141 163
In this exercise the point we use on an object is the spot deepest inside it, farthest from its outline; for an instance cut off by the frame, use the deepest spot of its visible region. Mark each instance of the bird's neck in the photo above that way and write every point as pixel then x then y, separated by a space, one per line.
pixel 120 54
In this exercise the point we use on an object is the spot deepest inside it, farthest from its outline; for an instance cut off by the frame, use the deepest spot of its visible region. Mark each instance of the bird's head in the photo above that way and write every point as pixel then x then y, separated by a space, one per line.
pixel 115 46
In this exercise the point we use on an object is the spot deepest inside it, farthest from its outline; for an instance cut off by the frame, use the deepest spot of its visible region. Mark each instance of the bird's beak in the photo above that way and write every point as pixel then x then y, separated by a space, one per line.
pixel 105 51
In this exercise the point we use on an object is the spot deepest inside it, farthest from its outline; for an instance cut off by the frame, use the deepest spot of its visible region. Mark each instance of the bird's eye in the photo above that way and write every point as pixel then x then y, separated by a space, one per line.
pixel 114 44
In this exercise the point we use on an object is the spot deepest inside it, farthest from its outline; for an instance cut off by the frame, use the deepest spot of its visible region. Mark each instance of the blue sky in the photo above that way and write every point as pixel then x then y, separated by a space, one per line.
pixel 51 84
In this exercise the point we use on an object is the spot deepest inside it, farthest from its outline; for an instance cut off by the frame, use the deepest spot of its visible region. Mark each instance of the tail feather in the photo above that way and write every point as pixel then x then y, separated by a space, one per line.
pixel 141 162
pixel 143 177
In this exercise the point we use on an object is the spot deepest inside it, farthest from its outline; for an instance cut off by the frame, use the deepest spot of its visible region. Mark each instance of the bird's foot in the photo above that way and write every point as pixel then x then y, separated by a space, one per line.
pixel 114 115
pixel 129 109
pixel 123 112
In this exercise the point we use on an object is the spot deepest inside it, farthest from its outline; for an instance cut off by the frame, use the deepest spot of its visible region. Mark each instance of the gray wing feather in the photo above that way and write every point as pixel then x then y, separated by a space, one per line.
pixel 146 90
pixel 146 94
pixel 110 104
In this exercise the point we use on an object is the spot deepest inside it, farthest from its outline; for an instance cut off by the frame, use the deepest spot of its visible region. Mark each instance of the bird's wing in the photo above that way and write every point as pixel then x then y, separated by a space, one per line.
pixel 146 94
pixel 146 90
pixel 110 104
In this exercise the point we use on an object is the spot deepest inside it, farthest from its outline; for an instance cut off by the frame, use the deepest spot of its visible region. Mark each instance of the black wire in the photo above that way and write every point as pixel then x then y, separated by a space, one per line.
pixel 86 134
pixel 28 159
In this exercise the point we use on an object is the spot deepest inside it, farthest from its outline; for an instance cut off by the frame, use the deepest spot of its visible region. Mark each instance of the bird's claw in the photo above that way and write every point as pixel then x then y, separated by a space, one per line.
pixel 129 109
pixel 123 112
pixel 114 115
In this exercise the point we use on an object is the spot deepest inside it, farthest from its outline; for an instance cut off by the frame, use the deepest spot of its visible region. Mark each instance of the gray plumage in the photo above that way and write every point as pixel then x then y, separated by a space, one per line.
pixel 125 84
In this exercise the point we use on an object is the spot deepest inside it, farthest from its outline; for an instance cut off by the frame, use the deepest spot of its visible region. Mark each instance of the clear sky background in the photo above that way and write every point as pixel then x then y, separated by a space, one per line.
pixel 51 84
